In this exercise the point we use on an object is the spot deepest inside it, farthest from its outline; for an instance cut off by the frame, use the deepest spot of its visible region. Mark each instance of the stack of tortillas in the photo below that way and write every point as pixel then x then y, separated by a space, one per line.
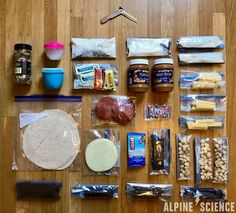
pixel 101 155
pixel 52 142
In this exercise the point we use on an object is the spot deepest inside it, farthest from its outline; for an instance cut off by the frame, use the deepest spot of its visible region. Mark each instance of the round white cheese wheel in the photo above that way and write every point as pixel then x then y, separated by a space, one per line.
pixel 52 142
pixel 101 155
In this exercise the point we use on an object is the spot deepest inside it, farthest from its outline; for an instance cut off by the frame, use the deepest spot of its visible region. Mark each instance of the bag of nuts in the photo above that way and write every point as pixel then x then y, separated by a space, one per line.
pixel 203 160
pixel 221 160
pixel 183 156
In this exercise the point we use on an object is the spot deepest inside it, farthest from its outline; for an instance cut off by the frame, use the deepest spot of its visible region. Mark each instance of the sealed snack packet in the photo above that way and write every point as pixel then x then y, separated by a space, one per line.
pixel 160 151
pixel 155 112
pixel 206 102
pixel 201 79
pixel 200 42
pixel 136 149
pixel 183 156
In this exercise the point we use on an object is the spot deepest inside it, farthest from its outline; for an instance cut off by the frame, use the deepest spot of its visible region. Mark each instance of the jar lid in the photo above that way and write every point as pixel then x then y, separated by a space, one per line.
pixel 54 45
pixel 164 61
pixel 138 61
pixel 22 46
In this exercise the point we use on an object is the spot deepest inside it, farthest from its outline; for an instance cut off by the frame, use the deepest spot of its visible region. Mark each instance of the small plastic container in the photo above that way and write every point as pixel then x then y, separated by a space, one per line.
pixel 53 78
pixel 54 50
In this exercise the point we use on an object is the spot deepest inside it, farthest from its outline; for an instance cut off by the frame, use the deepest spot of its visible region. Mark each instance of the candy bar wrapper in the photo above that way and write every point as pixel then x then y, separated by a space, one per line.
pixel 27 189
pixel 99 79
pixel 221 160
pixel 200 42
pixel 202 194
pixel 136 149
pixel 201 123
pixel 149 191
pixel 142 47
pixel 183 143
pixel 201 58
pixel 156 112
pixel 95 191
pixel 203 160
pixel 206 102
pixel 160 151
pixel 93 48
pixel 201 79
pixel 95 76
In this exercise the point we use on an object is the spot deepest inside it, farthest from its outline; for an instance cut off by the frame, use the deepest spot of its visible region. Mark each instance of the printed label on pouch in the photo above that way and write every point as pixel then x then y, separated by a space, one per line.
pixel 138 76
pixel 163 76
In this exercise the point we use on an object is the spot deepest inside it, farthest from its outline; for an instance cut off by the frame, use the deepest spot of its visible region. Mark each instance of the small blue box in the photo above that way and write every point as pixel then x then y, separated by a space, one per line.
pixel 136 149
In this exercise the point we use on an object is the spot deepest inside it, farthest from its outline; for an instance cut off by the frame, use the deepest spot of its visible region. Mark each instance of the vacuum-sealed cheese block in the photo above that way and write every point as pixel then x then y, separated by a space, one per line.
pixel 101 155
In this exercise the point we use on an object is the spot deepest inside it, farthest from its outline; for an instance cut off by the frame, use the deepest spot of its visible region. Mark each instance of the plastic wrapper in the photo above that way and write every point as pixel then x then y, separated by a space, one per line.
pixel 101 152
pixel 202 123
pixel 160 151
pixel 201 58
pixel 203 193
pixel 148 47
pixel 95 191
pixel 31 189
pixel 207 102
pixel 221 160
pixel 95 76
pixel 112 109
pixel 48 132
pixel 93 48
pixel 183 156
pixel 155 112
pixel 149 191
pixel 203 160
pixel 136 149
pixel 200 42
pixel 201 79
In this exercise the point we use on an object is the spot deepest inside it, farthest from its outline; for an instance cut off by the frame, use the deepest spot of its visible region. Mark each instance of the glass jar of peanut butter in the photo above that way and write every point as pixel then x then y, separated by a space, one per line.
pixel 138 75
pixel 162 75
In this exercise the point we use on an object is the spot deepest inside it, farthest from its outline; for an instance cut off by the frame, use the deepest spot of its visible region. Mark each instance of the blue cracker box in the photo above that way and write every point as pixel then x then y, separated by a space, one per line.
pixel 136 149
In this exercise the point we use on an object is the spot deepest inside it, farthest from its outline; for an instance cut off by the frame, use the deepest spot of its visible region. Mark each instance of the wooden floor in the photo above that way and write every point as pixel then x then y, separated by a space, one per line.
pixel 39 21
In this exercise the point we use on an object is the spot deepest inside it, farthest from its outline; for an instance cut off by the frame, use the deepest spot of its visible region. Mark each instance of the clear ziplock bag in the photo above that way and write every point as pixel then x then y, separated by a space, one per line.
pixel 95 76
pixel 201 58
pixel 221 160
pixel 148 47
pixel 101 152
pixel 203 193
pixel 48 132
pixel 203 160
pixel 112 109
pixel 183 143
pixel 200 42
pixel 149 191
pixel 160 151
pixel 95 191
pixel 201 79
pixel 93 48
pixel 206 102
pixel 202 123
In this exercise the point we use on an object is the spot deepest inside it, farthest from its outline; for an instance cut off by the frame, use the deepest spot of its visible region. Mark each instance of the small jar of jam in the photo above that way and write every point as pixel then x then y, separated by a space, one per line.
pixel 162 75
pixel 138 75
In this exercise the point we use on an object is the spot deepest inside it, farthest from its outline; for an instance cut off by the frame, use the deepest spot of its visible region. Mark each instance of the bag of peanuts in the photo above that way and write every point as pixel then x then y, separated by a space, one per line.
pixel 203 160
pixel 183 156
pixel 221 160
